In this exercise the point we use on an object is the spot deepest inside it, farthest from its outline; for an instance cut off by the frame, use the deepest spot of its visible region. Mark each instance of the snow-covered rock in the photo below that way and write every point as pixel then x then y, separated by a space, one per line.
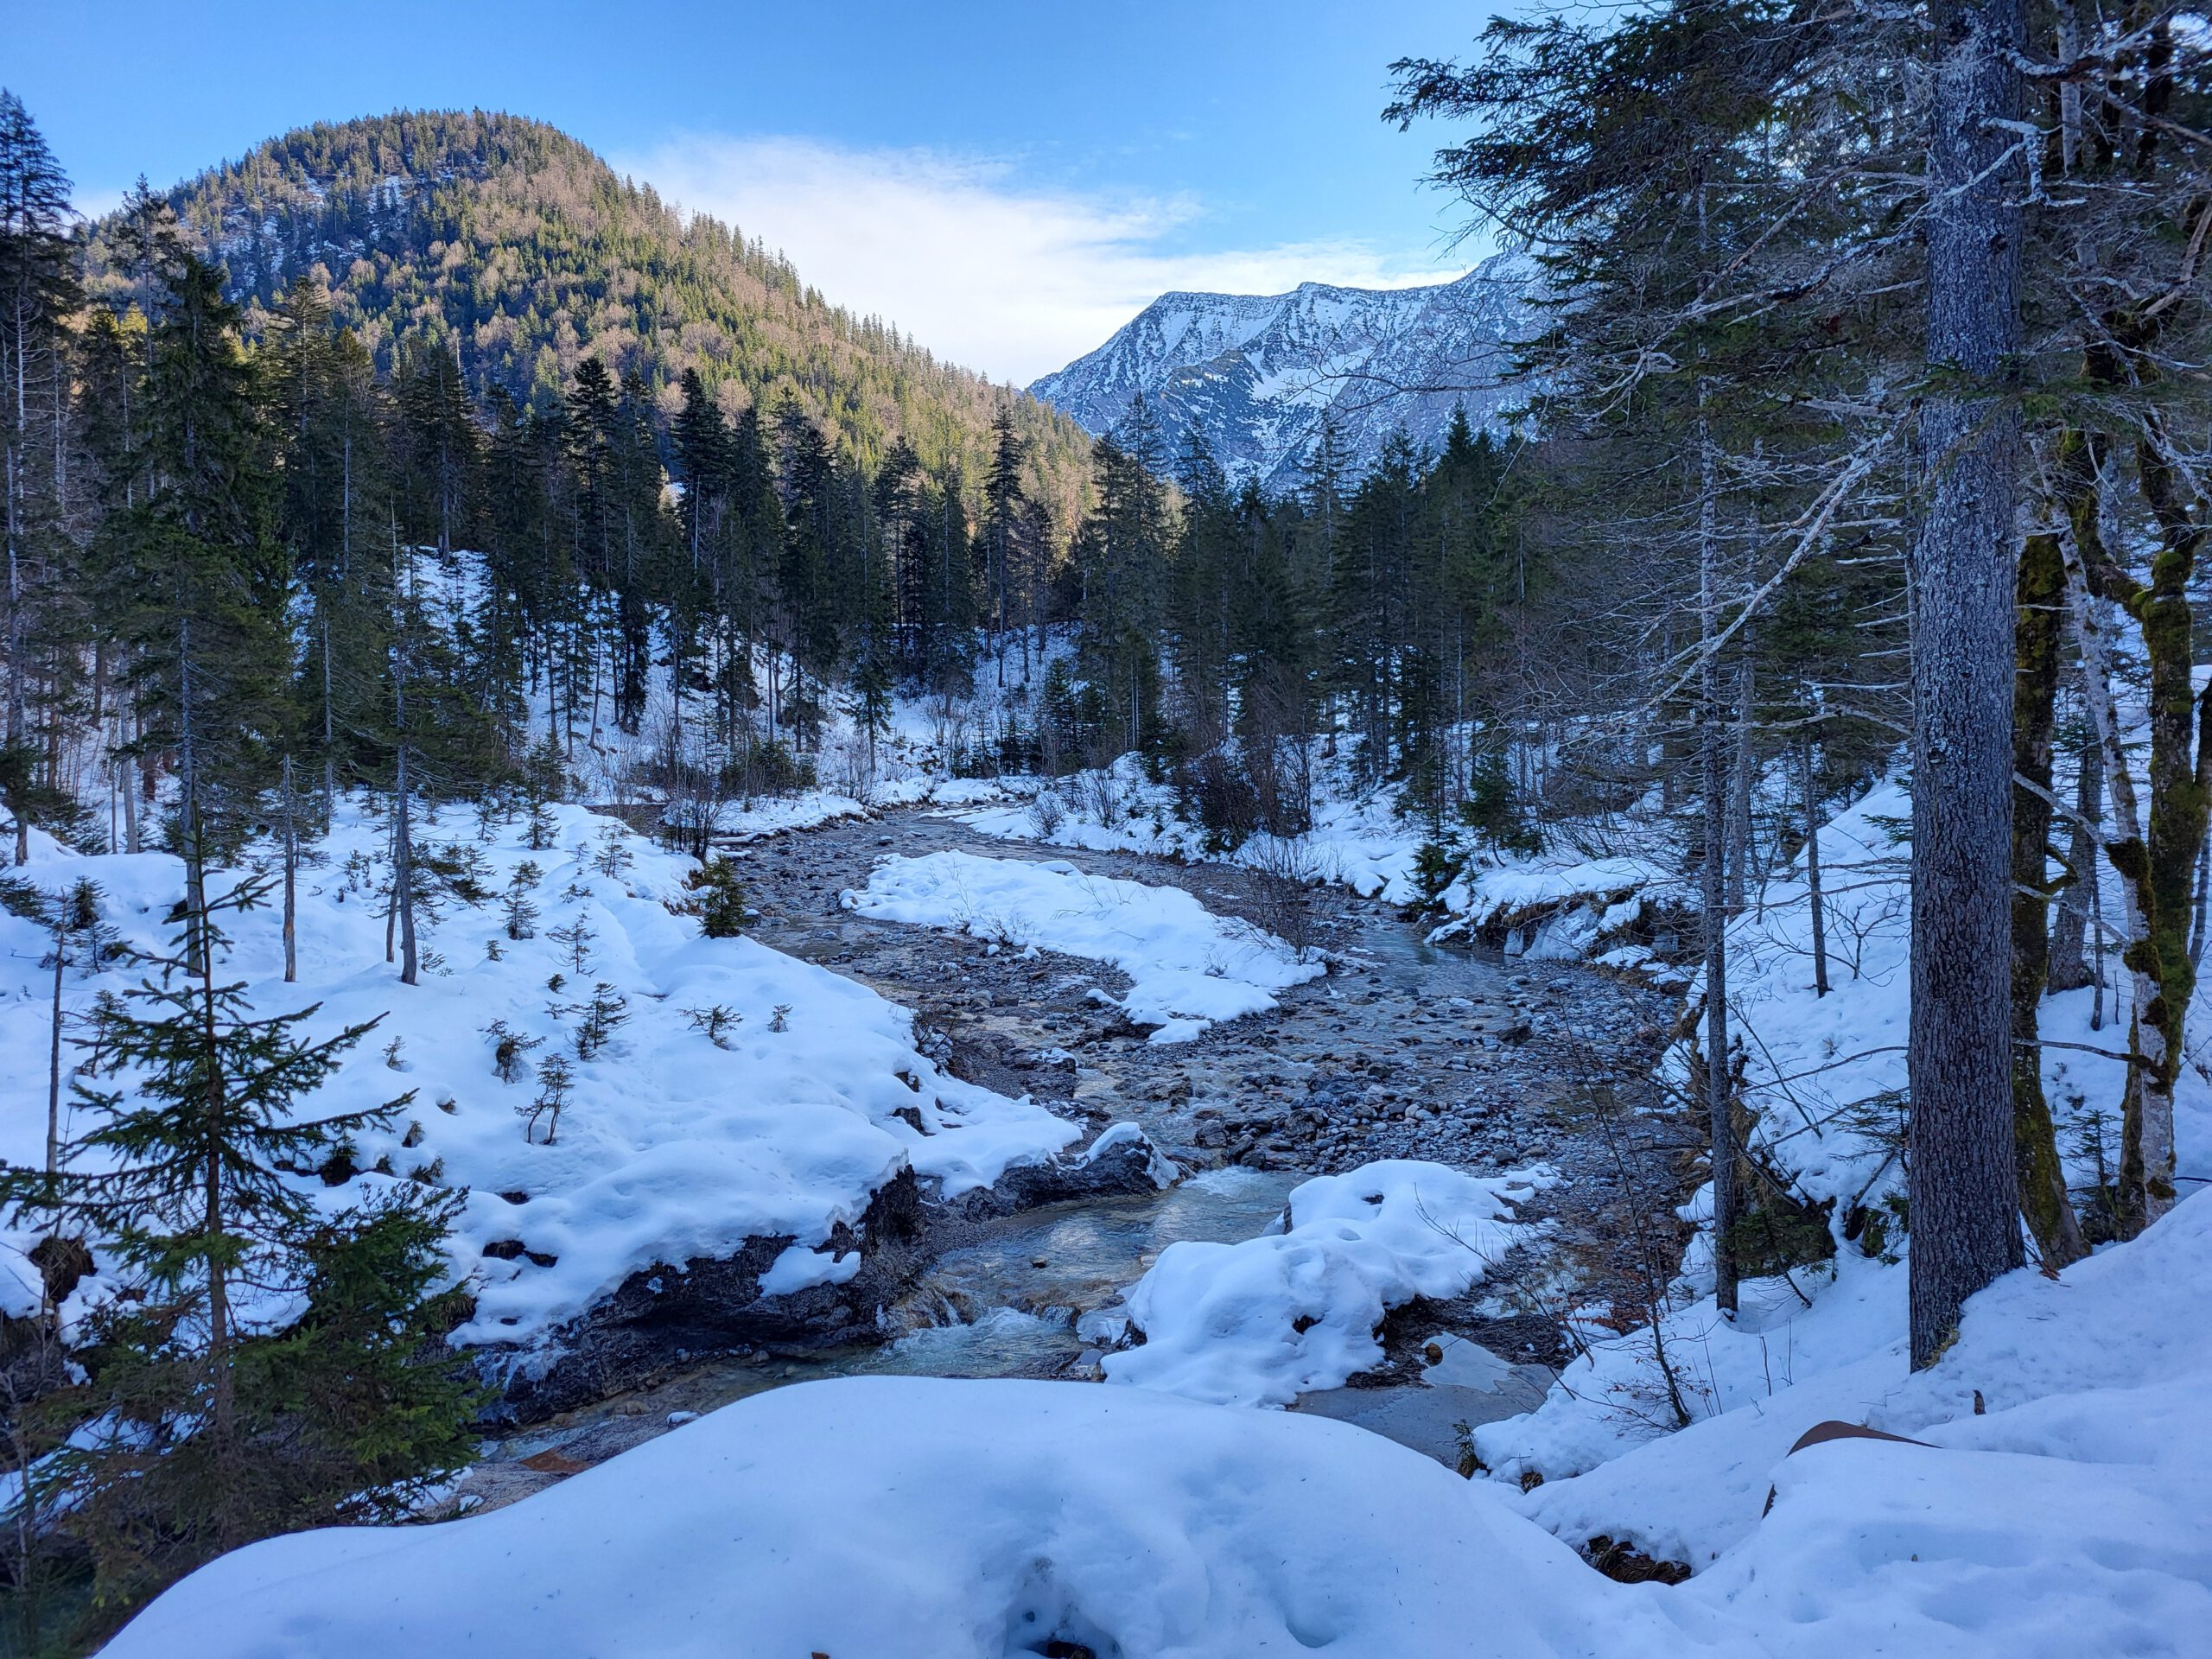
pixel 1262 1321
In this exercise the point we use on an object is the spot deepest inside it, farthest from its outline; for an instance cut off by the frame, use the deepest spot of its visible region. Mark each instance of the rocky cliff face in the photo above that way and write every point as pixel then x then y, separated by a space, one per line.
pixel 1258 375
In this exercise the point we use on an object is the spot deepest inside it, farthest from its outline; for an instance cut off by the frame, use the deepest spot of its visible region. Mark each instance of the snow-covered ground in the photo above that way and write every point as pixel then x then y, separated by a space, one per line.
pixel 671 1145
pixel 1262 1321
pixel 1824 1074
pixel 941 1520
pixel 2056 1507
pixel 1560 904
pixel 1357 840
pixel 1188 967
pixel 905 1518
pixel 811 808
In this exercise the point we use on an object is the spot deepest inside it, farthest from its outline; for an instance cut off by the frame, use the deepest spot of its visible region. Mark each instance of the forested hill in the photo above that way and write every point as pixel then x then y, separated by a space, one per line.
pixel 507 240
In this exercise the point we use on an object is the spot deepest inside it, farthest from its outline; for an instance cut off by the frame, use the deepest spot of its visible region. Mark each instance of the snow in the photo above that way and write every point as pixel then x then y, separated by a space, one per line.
pixel 2072 1506
pixel 671 1147
pixel 2108 1352
pixel 1358 839
pixel 931 1519
pixel 2055 1508
pixel 811 809
pixel 1262 1321
pixel 1556 904
pixel 964 1520
pixel 1188 967
pixel 1255 372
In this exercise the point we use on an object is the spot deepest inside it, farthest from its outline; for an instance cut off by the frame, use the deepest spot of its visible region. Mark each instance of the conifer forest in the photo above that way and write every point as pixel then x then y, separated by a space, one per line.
pixel 1501 964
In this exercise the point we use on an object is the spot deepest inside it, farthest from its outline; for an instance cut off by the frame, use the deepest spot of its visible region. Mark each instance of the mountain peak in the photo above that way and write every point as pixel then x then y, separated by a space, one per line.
pixel 1259 374
pixel 519 250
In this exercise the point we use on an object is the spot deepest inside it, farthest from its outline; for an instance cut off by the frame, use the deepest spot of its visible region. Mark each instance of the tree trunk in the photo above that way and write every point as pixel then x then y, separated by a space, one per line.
pixel 223 1416
pixel 195 872
pixel 1741 764
pixel 2069 944
pixel 291 880
pixel 329 737
pixel 1964 1193
pixel 129 789
pixel 2176 830
pixel 1719 1103
pixel 2158 870
pixel 2196 919
pixel 54 1049
pixel 2041 1178
pixel 403 871
pixel 2124 847
pixel 1813 876
pixel 402 836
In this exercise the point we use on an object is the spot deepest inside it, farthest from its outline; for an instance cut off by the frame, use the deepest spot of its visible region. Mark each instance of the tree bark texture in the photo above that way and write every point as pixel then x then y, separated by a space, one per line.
pixel 1964 1193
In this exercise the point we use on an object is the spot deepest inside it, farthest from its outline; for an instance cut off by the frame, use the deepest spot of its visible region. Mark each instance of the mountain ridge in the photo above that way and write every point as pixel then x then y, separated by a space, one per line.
pixel 1259 374
pixel 518 248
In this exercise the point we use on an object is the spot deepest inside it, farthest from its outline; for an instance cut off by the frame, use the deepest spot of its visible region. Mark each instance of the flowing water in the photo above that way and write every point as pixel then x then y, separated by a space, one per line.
pixel 1004 1302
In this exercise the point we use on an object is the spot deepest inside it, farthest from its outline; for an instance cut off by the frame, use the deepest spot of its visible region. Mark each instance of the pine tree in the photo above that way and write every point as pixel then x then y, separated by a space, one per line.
pixel 196 577
pixel 189 1174
pixel 441 446
pixel 44 621
pixel 1010 537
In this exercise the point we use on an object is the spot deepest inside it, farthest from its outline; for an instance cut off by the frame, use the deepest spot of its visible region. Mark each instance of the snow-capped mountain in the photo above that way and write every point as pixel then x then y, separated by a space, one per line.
pixel 1257 373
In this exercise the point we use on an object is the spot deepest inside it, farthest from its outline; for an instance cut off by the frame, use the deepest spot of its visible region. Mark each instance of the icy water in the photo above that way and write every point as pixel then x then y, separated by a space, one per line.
pixel 1003 1304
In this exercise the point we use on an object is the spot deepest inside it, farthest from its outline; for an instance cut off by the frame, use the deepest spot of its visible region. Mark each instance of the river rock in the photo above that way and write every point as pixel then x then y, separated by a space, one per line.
pixel 1123 1160
pixel 663 1315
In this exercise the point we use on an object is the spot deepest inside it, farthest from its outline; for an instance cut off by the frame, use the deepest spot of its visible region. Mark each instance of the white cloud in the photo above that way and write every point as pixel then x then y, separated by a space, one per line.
pixel 96 204
pixel 1011 279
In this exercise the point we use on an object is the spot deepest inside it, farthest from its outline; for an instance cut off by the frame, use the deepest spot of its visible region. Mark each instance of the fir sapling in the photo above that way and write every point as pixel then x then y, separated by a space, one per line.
pixel 555 1079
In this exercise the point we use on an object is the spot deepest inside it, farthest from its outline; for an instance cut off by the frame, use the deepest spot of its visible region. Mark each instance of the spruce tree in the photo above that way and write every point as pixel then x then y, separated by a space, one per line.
pixel 45 621
pixel 190 1173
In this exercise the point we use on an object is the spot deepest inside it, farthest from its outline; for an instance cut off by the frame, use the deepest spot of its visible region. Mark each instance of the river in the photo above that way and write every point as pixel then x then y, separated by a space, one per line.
pixel 1402 1050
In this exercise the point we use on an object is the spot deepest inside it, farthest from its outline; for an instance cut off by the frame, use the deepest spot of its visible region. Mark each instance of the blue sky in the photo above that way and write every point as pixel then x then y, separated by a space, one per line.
pixel 1008 182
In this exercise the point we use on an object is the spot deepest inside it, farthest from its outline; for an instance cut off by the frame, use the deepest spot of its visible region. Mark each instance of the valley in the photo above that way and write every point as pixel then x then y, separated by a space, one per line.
pixel 1503 965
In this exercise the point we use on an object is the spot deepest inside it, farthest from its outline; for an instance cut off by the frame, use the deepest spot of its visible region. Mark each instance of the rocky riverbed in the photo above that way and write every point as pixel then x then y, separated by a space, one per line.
pixel 1402 1051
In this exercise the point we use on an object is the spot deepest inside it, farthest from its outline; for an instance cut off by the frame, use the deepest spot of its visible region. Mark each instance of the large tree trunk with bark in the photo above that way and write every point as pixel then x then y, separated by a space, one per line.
pixel 2177 827
pixel 1964 1194
pixel 2154 853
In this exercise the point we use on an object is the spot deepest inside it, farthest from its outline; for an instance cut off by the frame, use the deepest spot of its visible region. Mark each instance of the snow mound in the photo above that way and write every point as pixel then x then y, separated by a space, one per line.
pixel 930 1519
pixel 1262 1321
pixel 1188 967
pixel 944 1519
pixel 1561 905
pixel 1359 840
